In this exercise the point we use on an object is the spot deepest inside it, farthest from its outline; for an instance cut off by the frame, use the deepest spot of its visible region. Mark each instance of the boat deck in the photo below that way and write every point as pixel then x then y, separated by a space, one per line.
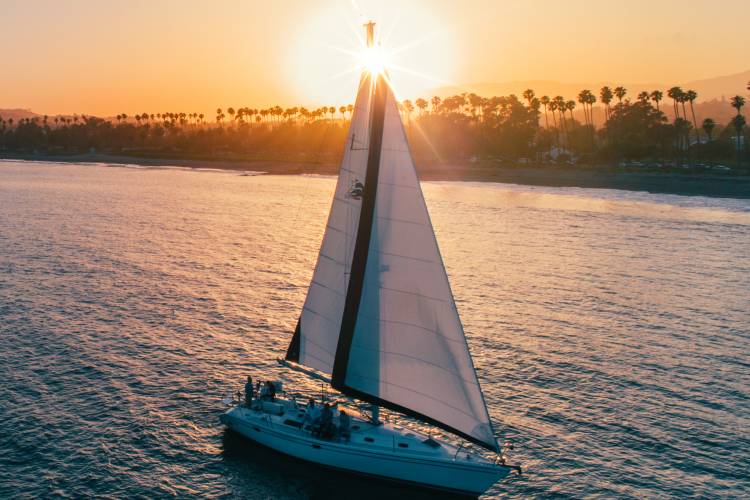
pixel 382 438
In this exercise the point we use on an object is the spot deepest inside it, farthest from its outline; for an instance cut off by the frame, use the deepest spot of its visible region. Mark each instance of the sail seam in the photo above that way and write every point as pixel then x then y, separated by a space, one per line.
pixel 416 294
pixel 328 257
pixel 336 292
pixel 402 220
pixel 391 254
pixel 309 355
pixel 316 313
pixel 341 231
pixel 392 353
pixel 406 323
pixel 386 183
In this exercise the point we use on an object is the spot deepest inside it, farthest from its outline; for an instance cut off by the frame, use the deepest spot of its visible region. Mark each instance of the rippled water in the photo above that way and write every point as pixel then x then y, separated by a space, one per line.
pixel 610 330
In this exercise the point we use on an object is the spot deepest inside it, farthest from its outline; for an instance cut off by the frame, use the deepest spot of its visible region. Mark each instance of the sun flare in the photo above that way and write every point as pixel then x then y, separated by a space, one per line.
pixel 374 60
pixel 412 48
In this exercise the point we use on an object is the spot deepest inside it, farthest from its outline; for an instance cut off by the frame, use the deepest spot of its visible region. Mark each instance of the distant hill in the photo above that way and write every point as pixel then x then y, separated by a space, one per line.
pixel 16 114
pixel 707 89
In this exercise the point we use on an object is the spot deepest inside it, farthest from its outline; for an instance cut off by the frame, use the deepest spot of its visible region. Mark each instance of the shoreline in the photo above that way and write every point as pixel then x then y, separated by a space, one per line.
pixel 686 184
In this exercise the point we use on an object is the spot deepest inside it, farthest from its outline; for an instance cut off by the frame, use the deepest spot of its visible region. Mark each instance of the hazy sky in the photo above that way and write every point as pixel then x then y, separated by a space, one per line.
pixel 109 56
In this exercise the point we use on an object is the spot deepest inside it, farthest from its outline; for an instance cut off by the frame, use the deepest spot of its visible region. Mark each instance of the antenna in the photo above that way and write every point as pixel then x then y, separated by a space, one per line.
pixel 370 34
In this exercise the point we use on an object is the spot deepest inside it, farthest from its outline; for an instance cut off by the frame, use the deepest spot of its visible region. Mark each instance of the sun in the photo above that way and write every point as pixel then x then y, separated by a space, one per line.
pixel 374 60
pixel 413 49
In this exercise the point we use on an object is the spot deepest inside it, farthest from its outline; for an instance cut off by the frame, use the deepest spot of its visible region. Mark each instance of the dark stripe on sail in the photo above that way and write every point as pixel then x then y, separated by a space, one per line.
pixel 364 232
pixel 292 353
pixel 369 398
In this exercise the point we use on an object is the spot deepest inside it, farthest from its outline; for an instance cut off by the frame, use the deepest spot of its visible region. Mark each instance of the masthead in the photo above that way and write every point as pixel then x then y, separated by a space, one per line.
pixel 370 34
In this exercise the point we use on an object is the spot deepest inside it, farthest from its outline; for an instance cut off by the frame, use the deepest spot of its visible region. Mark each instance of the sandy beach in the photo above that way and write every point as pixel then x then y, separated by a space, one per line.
pixel 688 183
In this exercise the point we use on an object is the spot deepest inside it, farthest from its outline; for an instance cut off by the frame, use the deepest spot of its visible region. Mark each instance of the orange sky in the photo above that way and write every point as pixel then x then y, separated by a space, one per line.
pixel 107 57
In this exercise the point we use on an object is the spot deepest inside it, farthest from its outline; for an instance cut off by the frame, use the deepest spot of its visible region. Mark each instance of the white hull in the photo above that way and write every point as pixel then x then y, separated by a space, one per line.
pixel 381 451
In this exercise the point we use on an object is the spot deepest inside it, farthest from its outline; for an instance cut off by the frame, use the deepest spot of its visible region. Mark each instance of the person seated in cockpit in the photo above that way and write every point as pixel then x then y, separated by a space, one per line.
pixel 326 422
pixel 312 415
pixel 344 425
pixel 249 391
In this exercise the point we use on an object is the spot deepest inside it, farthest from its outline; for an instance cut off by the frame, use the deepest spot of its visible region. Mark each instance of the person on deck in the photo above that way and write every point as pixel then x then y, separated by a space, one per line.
pixel 326 421
pixel 249 391
pixel 344 425
pixel 271 391
pixel 264 391
pixel 312 415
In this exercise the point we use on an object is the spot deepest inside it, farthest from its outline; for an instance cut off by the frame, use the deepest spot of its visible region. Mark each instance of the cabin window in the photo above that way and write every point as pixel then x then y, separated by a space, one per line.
pixel 256 429
pixel 369 440
pixel 293 423
pixel 403 445
pixel 355 427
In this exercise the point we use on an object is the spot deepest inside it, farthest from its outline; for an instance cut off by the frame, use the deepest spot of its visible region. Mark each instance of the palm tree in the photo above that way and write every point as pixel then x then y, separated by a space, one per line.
pixel 737 103
pixel 644 97
pixel 545 102
pixel 620 92
pixel 691 96
pixel 682 100
pixel 591 100
pixel 409 107
pixel 560 106
pixel 435 104
pixel 422 105
pixel 583 98
pixel 342 110
pixel 682 127
pixel 571 105
pixel 675 93
pixel 656 96
pixel 528 94
pixel 552 108
pixel 475 105
pixel 739 123
pixel 708 127
pixel 606 95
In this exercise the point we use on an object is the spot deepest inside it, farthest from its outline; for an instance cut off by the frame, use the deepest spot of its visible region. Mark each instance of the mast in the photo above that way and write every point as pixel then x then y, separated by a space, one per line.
pixel 370 26
pixel 364 232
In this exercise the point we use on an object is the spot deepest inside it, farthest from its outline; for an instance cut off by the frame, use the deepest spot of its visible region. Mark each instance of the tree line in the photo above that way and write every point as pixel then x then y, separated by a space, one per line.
pixel 456 128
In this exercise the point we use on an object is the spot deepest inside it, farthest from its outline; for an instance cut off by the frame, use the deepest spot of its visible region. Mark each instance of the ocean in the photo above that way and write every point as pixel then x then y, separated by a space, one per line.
pixel 610 330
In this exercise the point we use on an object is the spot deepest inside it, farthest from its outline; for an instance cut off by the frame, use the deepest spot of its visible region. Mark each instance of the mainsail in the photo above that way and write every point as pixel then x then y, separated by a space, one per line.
pixel 316 336
pixel 380 316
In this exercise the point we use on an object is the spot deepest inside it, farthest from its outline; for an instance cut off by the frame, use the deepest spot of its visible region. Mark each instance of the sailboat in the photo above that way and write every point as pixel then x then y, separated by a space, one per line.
pixel 380 324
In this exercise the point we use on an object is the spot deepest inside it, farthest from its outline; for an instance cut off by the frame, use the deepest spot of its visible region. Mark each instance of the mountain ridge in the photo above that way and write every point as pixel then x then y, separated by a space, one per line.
pixel 707 88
